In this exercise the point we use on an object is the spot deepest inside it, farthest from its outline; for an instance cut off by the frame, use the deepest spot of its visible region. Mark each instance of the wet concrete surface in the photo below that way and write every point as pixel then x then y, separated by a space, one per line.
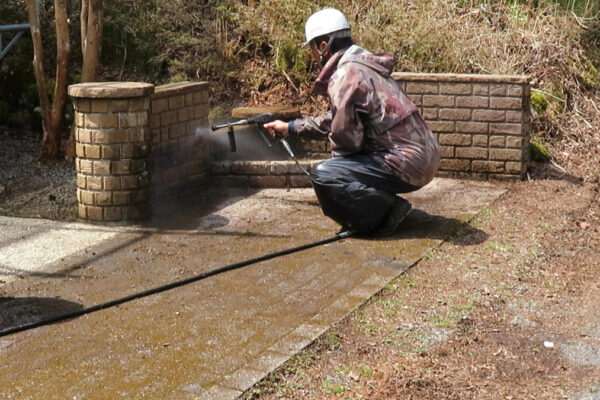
pixel 214 338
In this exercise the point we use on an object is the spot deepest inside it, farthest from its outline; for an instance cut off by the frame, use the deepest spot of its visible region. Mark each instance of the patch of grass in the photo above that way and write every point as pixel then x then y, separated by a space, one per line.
pixel 579 7
pixel 365 371
pixel 300 361
pixel 332 341
pixel 389 303
pixel 287 388
pixel 444 323
pixel 387 314
pixel 370 329
pixel 538 101
pixel 332 387
pixel 410 283
pixel 538 151
pixel 516 11
pixel 484 216
pixel 508 291
pixel 552 286
pixel 342 370
pixel 497 246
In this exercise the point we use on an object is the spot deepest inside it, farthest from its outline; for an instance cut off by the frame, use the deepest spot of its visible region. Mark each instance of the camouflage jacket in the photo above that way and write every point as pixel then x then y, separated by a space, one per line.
pixel 369 113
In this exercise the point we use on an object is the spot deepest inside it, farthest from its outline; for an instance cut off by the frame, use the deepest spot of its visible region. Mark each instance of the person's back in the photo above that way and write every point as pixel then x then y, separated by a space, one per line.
pixel 394 131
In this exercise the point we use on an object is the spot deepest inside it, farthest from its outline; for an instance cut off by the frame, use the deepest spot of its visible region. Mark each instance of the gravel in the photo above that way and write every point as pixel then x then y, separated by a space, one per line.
pixel 32 185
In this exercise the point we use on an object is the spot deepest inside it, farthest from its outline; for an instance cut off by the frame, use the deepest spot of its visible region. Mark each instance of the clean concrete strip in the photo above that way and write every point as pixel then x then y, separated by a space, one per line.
pixel 31 245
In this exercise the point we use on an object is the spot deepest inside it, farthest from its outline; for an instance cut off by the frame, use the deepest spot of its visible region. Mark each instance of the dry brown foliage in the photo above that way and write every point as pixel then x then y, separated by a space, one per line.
pixel 557 49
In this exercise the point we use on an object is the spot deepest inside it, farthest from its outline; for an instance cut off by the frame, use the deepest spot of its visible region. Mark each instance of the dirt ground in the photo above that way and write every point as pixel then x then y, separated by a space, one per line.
pixel 513 316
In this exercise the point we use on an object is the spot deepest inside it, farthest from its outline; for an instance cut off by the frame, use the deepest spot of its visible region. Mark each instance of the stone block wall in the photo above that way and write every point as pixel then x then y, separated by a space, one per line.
pixel 180 145
pixel 112 146
pixel 136 145
pixel 481 121
pixel 272 174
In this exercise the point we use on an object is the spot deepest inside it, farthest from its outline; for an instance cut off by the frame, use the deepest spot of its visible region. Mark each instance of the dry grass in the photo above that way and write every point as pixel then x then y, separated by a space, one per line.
pixel 557 49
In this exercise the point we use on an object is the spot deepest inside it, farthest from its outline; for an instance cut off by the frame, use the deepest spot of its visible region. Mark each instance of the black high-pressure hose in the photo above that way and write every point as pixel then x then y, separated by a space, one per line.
pixel 163 288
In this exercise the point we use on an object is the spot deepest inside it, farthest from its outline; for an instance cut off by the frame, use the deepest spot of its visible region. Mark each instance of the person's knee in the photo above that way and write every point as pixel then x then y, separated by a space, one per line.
pixel 320 172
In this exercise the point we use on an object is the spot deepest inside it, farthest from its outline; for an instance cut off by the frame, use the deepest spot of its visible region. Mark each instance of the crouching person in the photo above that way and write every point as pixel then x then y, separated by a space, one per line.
pixel 381 146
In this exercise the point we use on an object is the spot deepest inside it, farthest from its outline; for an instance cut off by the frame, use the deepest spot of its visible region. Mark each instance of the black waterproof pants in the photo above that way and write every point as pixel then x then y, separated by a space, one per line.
pixel 355 191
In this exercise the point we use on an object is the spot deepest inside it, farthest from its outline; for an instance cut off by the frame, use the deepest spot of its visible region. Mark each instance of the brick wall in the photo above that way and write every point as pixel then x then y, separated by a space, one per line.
pixel 180 145
pixel 137 144
pixel 481 121
pixel 112 145
pixel 273 174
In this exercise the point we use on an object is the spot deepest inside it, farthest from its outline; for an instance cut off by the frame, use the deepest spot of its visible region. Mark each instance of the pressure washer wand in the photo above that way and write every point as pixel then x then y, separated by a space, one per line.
pixel 259 120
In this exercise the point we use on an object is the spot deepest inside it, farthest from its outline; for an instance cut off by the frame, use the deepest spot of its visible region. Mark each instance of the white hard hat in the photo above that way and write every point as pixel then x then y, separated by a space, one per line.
pixel 324 22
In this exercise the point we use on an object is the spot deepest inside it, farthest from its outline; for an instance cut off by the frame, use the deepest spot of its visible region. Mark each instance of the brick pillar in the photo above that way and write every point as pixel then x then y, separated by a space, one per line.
pixel 113 144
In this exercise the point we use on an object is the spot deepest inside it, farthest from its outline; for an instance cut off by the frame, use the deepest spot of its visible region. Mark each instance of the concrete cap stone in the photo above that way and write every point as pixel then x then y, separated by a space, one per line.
pixel 179 87
pixel 110 89
pixel 279 112
pixel 475 78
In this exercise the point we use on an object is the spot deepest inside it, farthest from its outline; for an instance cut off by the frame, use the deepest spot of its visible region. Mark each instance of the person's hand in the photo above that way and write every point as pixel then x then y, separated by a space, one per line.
pixel 277 127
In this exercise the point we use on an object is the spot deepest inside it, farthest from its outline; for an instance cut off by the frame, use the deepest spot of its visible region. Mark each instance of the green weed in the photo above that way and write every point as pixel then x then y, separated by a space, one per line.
pixel 444 323
pixel 497 246
pixel 332 387
pixel 365 371
pixel 332 341
pixel 389 303
pixel 410 283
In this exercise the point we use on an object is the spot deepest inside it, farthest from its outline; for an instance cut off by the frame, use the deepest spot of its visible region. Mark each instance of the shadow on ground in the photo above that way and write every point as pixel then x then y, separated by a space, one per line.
pixel 18 311
pixel 422 225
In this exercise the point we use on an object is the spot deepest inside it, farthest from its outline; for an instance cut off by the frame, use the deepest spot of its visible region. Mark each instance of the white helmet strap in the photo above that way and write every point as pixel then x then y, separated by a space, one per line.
pixel 339 34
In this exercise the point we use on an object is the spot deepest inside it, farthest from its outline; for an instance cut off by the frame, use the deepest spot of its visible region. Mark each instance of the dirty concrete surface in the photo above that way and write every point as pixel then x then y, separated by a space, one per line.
pixel 210 339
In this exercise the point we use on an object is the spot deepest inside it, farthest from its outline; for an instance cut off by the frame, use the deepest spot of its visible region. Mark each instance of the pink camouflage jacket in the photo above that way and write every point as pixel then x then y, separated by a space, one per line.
pixel 370 114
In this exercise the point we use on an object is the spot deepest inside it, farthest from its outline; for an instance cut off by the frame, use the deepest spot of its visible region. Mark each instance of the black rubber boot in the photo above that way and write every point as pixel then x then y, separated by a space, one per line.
pixel 394 218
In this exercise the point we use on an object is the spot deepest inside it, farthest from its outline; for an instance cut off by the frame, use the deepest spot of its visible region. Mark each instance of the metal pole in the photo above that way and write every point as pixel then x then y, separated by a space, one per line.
pixel 14 27
pixel 10 44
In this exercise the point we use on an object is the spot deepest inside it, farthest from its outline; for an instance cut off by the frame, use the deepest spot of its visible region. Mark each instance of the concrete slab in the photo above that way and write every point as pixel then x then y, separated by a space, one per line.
pixel 29 245
pixel 217 337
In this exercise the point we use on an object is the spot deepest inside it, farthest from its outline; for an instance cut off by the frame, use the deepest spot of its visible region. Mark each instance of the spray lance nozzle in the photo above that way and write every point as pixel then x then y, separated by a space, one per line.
pixel 259 120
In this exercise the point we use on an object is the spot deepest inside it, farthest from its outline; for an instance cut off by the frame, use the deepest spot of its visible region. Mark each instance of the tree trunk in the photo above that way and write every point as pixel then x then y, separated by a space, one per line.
pixel 38 61
pixel 91 37
pixel 91 20
pixel 52 112
pixel 63 49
